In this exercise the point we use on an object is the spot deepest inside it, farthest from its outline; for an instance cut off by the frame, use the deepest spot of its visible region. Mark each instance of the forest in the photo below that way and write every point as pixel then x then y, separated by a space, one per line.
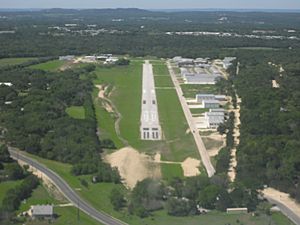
pixel 34 118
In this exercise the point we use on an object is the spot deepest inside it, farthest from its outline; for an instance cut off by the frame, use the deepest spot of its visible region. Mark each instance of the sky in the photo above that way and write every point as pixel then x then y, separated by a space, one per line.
pixel 153 4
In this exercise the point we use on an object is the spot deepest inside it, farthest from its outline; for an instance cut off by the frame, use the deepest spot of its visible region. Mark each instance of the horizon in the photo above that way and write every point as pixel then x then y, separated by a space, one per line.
pixel 154 4
pixel 160 9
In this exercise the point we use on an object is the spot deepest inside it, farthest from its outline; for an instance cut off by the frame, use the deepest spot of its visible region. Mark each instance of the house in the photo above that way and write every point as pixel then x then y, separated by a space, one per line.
pixel 210 104
pixel 41 211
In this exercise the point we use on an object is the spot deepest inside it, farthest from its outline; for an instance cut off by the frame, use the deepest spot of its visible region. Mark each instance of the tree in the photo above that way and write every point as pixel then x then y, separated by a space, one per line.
pixel 209 196
pixel 4 154
pixel 180 207
pixel 117 199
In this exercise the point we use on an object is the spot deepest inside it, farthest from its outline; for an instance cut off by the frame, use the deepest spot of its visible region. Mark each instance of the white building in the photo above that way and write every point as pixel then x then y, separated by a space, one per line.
pixel 214 119
pixel 41 211
pixel 210 104
pixel 201 97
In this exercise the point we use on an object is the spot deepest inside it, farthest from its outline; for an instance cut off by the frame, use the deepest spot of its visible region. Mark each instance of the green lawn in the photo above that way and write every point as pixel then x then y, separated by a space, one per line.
pixel 5 186
pixel 49 66
pixel 76 112
pixel 106 121
pixel 66 215
pixel 163 81
pixel 190 90
pixel 198 111
pixel 180 145
pixel 40 196
pixel 170 171
pixel 281 219
pixel 127 84
pixel 14 61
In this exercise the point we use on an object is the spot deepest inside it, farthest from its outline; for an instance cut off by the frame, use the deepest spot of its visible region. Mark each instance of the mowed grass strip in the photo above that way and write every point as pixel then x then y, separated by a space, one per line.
pixel 163 81
pixel 14 61
pixel 174 125
pixel 76 112
pixel 170 171
pixel 49 66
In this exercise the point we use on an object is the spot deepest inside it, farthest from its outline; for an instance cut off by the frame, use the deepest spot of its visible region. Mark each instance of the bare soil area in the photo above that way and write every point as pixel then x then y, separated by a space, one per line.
pixel 133 166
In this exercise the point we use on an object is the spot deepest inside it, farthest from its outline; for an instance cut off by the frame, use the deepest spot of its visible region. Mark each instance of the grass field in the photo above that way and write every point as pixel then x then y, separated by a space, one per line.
pixel 14 61
pixel 126 95
pixel 39 196
pixel 163 81
pixel 127 84
pixel 49 66
pixel 66 215
pixel 180 145
pixel 170 171
pixel 281 219
pixel 105 121
pixel 76 112
pixel 199 111
pixel 190 90
pixel 5 186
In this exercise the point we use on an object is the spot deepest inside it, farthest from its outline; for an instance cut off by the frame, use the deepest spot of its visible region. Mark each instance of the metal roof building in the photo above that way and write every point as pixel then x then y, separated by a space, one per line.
pixel 201 78
pixel 38 211
pixel 214 119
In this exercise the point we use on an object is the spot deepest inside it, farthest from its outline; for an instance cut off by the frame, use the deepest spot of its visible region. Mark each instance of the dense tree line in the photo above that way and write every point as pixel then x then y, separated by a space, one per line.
pixel 9 169
pixel 13 197
pixel 140 33
pixel 183 197
pixel 224 156
pixel 36 120
pixel 268 153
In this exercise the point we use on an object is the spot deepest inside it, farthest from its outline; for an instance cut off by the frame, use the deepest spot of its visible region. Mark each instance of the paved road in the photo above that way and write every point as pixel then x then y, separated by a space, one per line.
pixel 284 202
pixel 285 210
pixel 188 115
pixel 66 190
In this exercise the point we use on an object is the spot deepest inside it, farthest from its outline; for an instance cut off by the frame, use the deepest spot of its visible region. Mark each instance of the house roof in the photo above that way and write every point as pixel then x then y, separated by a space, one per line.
pixel 42 210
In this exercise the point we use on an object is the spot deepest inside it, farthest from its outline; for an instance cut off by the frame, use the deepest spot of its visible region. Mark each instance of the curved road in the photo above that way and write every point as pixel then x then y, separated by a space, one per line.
pixel 66 190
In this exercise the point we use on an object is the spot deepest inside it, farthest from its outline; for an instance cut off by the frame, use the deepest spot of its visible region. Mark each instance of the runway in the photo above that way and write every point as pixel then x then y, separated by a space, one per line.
pixel 150 128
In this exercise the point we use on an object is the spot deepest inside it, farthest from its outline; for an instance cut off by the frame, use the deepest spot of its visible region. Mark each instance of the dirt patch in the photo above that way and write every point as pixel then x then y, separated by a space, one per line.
pixel 133 166
pixel 190 167
pixel 213 143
